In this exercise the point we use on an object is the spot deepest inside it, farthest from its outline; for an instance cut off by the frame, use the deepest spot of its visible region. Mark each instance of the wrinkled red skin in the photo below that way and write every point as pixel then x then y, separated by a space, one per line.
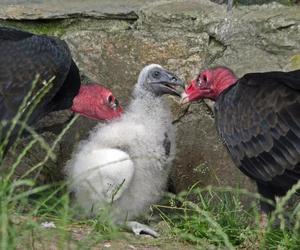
pixel 209 84
pixel 194 93
pixel 95 102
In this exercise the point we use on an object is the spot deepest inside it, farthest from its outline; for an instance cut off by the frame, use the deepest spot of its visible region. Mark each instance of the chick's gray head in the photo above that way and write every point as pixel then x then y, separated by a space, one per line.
pixel 157 80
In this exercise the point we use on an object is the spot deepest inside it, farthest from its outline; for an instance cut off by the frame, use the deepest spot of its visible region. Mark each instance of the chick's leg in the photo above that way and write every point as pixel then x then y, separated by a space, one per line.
pixel 138 229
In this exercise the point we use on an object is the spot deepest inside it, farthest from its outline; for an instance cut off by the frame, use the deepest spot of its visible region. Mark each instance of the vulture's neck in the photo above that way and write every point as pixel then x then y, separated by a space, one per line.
pixel 223 82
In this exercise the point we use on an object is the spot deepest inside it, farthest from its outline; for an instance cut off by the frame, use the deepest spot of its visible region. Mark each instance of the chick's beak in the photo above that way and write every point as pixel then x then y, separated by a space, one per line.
pixel 168 83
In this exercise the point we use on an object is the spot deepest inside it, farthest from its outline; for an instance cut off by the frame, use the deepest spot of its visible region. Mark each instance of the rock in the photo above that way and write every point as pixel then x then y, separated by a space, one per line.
pixel 112 42
pixel 58 9
pixel 201 156
pixel 252 2
pixel 115 59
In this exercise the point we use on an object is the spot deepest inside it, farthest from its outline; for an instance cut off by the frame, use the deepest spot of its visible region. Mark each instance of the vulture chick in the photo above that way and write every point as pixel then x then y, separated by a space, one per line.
pixel 125 165
pixel 258 117
pixel 27 62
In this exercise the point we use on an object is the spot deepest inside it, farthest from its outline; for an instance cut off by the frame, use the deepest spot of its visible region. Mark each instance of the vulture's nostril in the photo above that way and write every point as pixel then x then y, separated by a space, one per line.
pixel 174 79
pixel 117 102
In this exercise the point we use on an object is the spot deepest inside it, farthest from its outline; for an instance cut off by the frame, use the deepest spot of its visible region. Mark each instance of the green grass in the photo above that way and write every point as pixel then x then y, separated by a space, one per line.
pixel 216 217
pixel 21 216
pixel 219 218
pixel 25 205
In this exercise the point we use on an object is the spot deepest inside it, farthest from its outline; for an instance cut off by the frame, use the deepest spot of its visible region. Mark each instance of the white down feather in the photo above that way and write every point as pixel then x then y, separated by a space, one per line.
pixel 127 156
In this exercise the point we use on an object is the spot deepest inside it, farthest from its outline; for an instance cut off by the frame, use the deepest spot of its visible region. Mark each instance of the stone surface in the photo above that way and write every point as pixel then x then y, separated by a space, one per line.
pixel 61 9
pixel 58 9
pixel 183 36
pixel 253 2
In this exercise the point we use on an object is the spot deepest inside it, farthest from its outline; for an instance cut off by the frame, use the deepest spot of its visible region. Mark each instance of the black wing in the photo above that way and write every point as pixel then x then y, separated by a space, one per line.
pixel 10 34
pixel 23 57
pixel 259 120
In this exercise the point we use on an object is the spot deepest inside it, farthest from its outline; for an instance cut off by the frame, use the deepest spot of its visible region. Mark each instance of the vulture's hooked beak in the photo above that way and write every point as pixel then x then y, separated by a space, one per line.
pixel 168 83
pixel 193 92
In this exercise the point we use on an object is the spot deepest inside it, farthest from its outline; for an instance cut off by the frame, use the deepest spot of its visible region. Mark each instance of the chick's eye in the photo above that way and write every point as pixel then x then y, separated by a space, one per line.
pixel 156 74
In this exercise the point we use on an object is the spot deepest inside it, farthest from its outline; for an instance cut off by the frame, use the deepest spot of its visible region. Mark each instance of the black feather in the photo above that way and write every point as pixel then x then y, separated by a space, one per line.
pixel 259 120
pixel 23 57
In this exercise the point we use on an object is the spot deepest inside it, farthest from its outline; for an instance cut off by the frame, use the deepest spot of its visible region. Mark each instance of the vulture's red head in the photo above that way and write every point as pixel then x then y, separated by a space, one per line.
pixel 209 83
pixel 96 102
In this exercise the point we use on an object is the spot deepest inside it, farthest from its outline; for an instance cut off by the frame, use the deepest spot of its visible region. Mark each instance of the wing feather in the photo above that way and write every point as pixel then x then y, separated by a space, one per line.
pixel 259 120
pixel 22 60
pixel 10 34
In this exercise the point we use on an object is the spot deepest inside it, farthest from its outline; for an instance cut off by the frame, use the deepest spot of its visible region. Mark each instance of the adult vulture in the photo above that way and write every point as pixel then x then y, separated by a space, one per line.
pixel 27 63
pixel 124 166
pixel 258 117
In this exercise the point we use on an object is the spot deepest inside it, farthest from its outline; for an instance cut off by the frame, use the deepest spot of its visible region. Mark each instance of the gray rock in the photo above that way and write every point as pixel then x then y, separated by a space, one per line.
pixel 59 9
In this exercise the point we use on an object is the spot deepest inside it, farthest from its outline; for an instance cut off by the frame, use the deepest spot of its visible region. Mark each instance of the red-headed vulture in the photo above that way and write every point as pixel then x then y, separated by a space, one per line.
pixel 38 75
pixel 258 118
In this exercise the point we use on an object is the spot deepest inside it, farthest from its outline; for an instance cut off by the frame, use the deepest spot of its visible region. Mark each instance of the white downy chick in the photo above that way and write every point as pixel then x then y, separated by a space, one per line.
pixel 125 164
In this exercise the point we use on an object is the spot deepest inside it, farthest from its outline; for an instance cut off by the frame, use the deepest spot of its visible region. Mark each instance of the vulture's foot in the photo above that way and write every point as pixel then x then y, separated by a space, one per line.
pixel 138 229
pixel 263 221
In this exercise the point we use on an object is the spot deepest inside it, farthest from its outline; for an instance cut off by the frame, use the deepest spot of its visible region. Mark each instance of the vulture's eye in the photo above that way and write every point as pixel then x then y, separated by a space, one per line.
pixel 113 102
pixel 110 99
pixel 156 74
pixel 199 81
